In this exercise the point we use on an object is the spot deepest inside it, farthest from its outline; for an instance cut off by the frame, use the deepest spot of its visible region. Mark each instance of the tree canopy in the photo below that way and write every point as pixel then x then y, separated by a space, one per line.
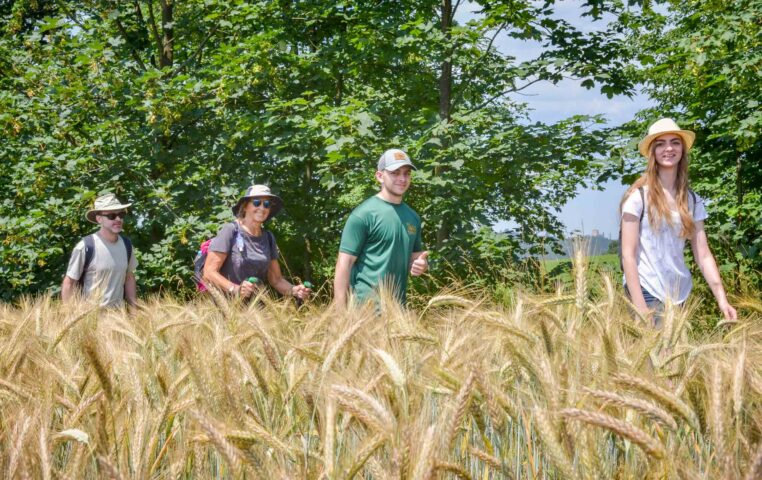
pixel 178 106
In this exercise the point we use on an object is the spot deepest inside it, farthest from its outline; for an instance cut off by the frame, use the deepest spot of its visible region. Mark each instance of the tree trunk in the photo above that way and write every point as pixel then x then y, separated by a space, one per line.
pixel 167 26
pixel 445 94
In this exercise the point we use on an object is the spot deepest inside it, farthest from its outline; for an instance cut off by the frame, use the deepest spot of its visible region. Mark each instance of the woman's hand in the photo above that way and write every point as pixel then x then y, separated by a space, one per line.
pixel 301 292
pixel 728 311
pixel 248 289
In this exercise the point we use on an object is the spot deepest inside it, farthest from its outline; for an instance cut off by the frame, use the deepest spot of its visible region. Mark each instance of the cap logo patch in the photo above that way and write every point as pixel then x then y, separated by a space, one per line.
pixel 400 156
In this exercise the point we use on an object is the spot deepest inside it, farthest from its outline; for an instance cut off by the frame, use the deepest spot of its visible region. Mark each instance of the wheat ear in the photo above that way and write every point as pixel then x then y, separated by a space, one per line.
pixel 90 347
pixel 329 435
pixel 554 449
pixel 640 438
pixel 227 450
pixel 336 348
pixel 666 398
pixel 642 406
pixel 366 408
pixel 718 426
pixel 738 381
pixel 19 432
pixel 459 406
pixel 453 468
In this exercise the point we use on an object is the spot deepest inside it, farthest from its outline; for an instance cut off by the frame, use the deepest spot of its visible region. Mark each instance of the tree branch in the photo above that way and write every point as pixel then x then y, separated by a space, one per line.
pixel 154 28
pixel 133 52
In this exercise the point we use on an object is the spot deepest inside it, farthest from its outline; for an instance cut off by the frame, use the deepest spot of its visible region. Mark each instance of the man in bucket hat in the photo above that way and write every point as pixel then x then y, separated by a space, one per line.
pixel 381 242
pixel 103 263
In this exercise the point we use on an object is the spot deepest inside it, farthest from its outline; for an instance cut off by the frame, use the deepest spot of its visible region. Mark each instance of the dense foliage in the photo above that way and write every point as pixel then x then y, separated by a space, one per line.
pixel 178 106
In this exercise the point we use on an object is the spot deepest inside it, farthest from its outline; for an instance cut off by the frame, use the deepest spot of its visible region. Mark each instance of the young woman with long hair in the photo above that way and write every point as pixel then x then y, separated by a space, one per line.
pixel 658 213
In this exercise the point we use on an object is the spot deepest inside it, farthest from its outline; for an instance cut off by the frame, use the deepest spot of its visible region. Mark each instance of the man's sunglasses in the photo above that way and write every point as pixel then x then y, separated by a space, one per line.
pixel 257 202
pixel 113 216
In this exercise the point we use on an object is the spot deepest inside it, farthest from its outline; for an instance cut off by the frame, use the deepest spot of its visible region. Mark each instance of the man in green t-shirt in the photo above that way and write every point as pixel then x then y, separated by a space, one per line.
pixel 381 241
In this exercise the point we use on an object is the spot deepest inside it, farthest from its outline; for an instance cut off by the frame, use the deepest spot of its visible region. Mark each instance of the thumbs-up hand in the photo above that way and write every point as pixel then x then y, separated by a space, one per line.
pixel 420 264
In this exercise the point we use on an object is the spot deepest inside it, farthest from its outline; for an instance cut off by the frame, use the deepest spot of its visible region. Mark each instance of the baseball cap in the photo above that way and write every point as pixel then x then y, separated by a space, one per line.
pixel 393 159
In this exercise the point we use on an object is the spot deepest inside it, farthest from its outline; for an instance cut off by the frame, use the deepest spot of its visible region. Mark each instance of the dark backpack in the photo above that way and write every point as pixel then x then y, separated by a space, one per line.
pixel 200 260
pixel 640 220
pixel 90 252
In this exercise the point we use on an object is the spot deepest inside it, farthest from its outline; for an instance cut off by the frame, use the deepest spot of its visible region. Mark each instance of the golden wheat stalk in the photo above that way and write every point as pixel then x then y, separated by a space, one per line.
pixel 666 398
pixel 453 468
pixel 458 410
pixel 228 451
pixel 640 438
pixel 643 407
pixel 366 408
pixel 364 454
pixel 716 407
pixel 738 381
pixel 341 342
pixel 425 465
pixel 549 438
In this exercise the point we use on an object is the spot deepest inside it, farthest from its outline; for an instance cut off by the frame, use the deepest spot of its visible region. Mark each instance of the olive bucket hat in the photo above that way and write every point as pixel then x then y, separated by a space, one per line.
pixel 105 203
pixel 276 204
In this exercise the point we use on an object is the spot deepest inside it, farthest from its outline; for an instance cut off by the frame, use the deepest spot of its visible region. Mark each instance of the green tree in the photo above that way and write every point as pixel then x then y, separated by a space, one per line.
pixel 179 105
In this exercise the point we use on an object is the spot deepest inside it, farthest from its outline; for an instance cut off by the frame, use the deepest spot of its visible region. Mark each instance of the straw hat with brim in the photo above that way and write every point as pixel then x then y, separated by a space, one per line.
pixel 276 204
pixel 105 203
pixel 663 127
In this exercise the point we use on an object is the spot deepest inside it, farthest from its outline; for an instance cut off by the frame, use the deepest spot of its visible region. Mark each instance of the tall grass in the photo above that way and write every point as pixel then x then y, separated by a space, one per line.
pixel 555 386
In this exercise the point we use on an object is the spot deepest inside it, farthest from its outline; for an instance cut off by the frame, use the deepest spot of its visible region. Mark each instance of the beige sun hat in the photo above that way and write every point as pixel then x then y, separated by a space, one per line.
pixel 105 203
pixel 260 191
pixel 662 127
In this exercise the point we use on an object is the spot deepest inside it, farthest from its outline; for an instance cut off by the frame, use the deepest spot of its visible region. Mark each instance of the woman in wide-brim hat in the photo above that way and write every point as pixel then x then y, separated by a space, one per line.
pixel 243 255
pixel 658 213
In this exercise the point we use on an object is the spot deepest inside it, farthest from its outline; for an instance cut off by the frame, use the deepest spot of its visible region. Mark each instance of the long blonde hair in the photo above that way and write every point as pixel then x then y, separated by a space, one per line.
pixel 658 210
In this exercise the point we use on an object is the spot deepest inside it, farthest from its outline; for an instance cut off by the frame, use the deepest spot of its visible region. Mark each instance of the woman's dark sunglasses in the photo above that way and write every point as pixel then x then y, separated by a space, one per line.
pixel 112 216
pixel 257 202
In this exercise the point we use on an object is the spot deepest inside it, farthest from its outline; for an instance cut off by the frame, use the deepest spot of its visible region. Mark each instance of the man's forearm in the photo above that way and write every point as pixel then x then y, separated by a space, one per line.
pixel 130 289
pixel 67 288
pixel 340 288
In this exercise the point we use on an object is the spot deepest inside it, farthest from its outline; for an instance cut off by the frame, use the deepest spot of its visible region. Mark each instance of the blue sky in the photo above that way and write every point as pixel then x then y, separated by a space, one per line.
pixel 591 209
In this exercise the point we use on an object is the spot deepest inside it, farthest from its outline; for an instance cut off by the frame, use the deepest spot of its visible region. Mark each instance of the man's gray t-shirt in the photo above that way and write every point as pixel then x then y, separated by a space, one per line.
pixel 107 270
pixel 249 257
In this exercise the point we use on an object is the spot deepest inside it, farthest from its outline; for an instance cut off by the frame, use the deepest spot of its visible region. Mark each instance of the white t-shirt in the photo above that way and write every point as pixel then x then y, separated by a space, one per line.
pixel 107 270
pixel 661 262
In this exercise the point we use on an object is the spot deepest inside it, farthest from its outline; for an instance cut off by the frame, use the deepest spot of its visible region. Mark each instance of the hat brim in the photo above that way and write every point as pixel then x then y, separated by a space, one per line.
pixel 397 165
pixel 275 207
pixel 90 215
pixel 644 146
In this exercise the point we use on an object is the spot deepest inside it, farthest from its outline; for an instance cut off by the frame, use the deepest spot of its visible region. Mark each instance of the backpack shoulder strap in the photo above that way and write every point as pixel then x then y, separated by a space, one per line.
pixel 128 246
pixel 643 201
pixel 693 197
pixel 89 253
pixel 271 241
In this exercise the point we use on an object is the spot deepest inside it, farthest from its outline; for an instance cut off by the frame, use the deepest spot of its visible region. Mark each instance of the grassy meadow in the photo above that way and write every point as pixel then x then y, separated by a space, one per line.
pixel 565 386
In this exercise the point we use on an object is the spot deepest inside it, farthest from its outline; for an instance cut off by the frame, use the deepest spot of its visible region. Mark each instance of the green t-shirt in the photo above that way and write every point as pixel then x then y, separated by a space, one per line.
pixel 382 236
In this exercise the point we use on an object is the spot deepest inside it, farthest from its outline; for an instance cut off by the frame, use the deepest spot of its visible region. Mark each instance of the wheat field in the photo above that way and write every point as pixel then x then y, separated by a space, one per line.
pixel 556 386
